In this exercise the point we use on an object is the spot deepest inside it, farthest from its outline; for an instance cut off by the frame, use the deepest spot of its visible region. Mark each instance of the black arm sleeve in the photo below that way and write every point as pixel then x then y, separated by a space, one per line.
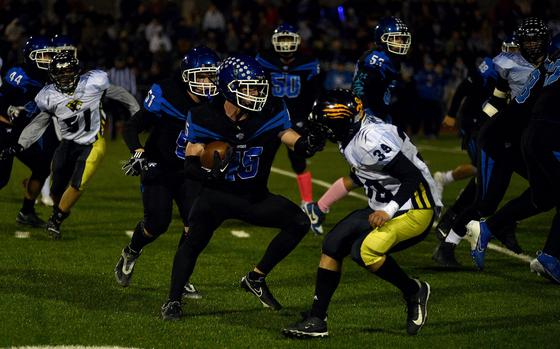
pixel 462 91
pixel 139 122
pixel 409 175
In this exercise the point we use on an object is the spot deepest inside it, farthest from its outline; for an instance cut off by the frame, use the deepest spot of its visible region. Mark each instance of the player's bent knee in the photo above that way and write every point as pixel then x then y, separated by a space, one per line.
pixel 373 248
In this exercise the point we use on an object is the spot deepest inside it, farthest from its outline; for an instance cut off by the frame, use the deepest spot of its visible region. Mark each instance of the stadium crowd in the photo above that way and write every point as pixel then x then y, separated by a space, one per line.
pixel 143 41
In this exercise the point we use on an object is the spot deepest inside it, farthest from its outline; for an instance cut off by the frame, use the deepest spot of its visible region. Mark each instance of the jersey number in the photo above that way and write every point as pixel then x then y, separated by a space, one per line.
pixel 149 99
pixel 379 154
pixel 181 145
pixel 376 60
pixel 16 77
pixel 73 124
pixel 381 194
pixel 244 164
pixel 284 84
pixel 526 92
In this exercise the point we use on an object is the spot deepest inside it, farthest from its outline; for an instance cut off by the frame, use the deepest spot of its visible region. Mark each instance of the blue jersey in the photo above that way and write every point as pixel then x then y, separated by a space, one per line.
pixel 375 81
pixel 513 68
pixel 20 89
pixel 297 83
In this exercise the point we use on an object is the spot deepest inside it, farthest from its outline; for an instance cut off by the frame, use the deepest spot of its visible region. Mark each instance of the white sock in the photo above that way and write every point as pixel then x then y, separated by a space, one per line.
pixel 453 238
pixel 448 177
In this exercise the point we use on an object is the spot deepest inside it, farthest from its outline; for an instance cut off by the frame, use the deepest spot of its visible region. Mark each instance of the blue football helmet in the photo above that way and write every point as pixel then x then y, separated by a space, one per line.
pixel 63 43
pixel 198 69
pixel 285 39
pixel 242 81
pixel 393 35
pixel 38 52
pixel 510 44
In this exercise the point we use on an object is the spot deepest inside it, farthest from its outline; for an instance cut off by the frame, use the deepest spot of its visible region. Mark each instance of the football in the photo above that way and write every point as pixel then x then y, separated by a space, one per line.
pixel 207 156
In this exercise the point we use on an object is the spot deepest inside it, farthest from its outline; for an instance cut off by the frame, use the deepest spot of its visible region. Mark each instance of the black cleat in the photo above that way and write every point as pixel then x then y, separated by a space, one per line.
pixel 444 255
pixel 53 229
pixel 260 289
pixel 30 219
pixel 309 327
pixel 171 311
pixel 189 291
pixel 125 266
pixel 416 307
pixel 507 237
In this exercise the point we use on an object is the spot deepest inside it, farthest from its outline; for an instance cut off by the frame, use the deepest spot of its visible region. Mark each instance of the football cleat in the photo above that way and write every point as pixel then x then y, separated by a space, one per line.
pixel 189 291
pixel 30 219
pixel 444 255
pixel 260 289
pixel 125 266
pixel 171 311
pixel 53 229
pixel 316 216
pixel 480 236
pixel 309 327
pixel 417 308
pixel 439 181
pixel 547 266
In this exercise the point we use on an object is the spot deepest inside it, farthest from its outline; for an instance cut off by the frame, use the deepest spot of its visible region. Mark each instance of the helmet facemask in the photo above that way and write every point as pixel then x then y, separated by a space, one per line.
pixel 533 49
pixel 200 81
pixel 65 76
pixel 42 57
pixel 286 42
pixel 250 94
pixel 397 42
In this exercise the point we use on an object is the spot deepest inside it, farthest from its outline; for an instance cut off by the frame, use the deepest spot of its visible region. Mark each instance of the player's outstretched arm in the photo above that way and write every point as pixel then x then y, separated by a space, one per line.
pixel 306 145
pixel 34 130
pixel 121 95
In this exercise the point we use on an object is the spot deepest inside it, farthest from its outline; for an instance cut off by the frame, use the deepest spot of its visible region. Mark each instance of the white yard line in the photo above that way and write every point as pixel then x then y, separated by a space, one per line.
pixel 491 246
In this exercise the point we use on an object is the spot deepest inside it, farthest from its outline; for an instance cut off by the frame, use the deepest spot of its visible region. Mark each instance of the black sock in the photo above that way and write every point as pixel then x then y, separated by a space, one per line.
pixel 326 284
pixel 253 275
pixel 58 215
pixel 28 206
pixel 391 272
pixel 139 239
pixel 183 267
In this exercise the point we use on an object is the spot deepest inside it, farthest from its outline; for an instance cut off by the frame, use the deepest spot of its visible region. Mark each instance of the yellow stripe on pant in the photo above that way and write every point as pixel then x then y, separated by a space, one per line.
pixel 401 228
pixel 93 160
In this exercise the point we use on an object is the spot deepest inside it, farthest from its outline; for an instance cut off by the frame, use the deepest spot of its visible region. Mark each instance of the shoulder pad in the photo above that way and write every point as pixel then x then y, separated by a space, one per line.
pixel 16 77
pixel 152 102
pixel 98 79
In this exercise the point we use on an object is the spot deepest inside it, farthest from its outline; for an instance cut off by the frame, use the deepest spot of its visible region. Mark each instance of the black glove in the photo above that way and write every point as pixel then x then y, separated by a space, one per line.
pixel 310 143
pixel 135 164
pixel 10 151
pixel 220 166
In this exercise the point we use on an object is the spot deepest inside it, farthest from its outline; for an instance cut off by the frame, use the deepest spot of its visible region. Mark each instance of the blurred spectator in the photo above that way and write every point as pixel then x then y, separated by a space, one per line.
pixel 123 76
pixel 430 83
pixel 213 19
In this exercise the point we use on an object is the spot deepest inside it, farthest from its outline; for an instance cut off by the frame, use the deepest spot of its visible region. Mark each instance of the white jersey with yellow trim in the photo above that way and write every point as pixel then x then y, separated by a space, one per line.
pixel 371 149
pixel 79 115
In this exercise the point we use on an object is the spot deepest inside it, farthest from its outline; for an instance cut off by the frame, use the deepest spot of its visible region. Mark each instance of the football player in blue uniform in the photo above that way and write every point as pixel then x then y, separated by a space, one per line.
pixel 375 79
pixel 161 160
pixel 498 139
pixel 17 109
pixel 294 78
pixel 236 187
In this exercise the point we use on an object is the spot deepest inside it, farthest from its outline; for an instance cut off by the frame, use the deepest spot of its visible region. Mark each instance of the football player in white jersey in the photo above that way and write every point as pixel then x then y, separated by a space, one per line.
pixel 402 206
pixel 73 101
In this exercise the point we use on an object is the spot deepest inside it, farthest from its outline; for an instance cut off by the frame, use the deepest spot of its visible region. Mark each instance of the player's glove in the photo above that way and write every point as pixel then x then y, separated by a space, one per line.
pixel 14 112
pixel 310 143
pixel 135 164
pixel 10 151
pixel 220 166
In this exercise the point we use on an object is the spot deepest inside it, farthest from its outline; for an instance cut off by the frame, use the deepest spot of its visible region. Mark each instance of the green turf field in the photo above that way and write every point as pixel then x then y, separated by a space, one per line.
pixel 64 292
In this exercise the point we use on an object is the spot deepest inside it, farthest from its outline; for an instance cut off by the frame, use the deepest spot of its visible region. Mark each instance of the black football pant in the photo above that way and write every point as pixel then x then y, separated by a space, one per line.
pixel 541 151
pixel 497 161
pixel 37 157
pixel 158 195
pixel 212 207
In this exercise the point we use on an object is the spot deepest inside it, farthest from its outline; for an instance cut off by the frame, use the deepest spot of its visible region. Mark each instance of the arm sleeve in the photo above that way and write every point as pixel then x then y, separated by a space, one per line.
pixel 409 175
pixel 138 123
pixel 463 90
pixel 121 95
pixel 32 132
